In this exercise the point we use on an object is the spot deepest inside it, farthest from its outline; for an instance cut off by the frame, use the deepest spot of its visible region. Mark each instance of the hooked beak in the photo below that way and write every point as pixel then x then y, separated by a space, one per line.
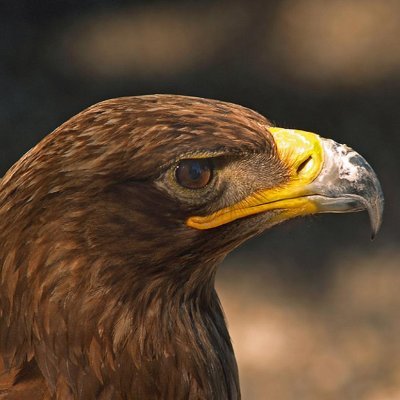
pixel 325 177
pixel 347 183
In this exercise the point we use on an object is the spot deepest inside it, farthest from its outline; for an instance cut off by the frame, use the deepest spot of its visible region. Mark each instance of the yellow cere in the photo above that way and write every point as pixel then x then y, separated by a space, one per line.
pixel 302 153
pixel 296 147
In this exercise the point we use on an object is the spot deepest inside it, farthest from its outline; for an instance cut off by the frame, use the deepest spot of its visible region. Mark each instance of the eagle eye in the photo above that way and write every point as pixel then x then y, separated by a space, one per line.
pixel 194 173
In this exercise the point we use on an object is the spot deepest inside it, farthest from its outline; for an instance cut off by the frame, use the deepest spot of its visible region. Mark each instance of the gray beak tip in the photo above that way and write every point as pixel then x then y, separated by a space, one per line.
pixel 375 212
pixel 348 184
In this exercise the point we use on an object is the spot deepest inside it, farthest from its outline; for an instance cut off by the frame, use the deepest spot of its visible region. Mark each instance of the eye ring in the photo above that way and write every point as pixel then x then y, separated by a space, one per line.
pixel 194 173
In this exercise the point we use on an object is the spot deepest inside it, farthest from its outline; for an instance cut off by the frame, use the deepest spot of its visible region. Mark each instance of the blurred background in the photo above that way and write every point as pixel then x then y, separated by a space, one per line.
pixel 313 305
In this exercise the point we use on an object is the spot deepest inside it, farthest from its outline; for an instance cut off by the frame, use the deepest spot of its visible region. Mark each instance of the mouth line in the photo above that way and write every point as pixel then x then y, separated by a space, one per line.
pixel 308 204
pixel 339 204
pixel 324 204
pixel 350 200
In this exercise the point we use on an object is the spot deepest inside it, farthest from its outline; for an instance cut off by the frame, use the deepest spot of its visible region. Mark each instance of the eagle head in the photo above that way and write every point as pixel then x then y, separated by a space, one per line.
pixel 112 226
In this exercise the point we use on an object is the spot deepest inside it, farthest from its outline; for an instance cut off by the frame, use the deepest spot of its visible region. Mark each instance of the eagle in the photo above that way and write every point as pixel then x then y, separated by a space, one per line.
pixel 111 231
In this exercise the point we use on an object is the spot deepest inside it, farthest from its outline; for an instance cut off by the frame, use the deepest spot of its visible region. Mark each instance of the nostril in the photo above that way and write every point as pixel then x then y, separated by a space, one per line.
pixel 303 166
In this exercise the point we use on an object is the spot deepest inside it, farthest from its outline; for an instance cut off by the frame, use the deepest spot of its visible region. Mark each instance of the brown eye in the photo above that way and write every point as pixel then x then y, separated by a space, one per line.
pixel 194 174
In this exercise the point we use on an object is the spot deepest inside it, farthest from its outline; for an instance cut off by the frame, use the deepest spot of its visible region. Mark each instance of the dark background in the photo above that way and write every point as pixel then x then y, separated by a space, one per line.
pixel 327 67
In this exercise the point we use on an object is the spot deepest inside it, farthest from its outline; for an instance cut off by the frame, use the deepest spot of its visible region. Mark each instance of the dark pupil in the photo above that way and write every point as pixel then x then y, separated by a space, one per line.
pixel 194 174
pixel 195 170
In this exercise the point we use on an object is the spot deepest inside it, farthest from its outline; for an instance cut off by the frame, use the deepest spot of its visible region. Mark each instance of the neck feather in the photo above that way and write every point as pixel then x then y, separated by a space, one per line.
pixel 159 338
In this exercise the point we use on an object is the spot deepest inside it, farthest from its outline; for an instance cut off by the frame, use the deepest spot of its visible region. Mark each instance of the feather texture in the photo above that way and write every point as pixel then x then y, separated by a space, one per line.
pixel 105 293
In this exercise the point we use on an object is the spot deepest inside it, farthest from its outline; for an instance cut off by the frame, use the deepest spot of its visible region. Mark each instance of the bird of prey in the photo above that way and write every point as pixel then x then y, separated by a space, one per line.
pixel 111 230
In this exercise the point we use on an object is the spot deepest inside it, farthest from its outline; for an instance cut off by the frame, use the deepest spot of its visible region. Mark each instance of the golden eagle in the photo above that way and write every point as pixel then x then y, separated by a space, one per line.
pixel 111 230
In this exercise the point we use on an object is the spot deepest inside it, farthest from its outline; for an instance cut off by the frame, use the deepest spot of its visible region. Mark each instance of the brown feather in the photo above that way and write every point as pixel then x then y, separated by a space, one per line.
pixel 105 293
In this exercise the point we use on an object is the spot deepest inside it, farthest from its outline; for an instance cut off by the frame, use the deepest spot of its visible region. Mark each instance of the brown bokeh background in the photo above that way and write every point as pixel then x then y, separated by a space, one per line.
pixel 313 305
